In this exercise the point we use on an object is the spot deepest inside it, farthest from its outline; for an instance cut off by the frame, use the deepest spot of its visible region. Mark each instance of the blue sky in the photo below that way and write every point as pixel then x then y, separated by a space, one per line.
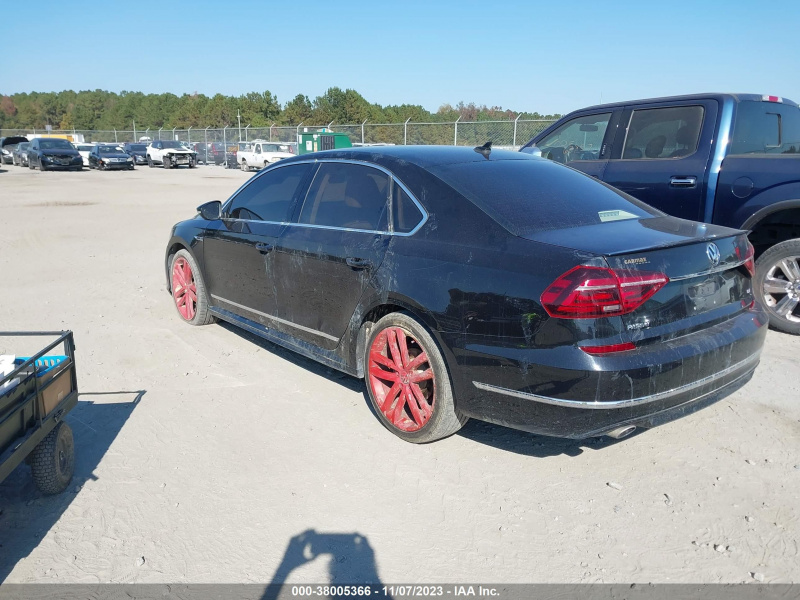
pixel 525 56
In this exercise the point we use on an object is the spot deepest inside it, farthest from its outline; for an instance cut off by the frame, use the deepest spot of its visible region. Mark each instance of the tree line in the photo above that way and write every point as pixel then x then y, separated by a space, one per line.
pixel 104 110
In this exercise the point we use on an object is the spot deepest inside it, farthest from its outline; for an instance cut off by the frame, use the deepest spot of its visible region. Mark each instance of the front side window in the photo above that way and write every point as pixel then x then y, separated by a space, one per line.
pixel 258 148
pixel 269 196
pixel 578 139
pixel 672 132
pixel 348 196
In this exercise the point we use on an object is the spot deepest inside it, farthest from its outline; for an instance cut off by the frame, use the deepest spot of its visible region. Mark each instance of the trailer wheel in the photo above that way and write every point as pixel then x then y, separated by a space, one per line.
pixel 53 460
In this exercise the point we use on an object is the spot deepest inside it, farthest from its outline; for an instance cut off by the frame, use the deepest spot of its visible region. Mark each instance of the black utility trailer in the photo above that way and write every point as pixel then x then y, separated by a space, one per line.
pixel 34 398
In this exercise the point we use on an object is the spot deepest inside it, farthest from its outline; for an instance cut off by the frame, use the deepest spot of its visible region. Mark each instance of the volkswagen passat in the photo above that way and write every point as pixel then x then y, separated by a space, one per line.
pixel 466 282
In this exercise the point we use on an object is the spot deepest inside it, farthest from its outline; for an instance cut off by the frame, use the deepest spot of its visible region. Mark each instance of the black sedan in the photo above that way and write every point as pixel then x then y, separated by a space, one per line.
pixel 20 154
pixel 53 153
pixel 106 157
pixel 483 284
pixel 138 152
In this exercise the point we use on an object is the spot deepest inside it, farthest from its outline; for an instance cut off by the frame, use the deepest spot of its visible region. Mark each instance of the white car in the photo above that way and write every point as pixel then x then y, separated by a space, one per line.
pixel 263 154
pixel 84 150
pixel 170 154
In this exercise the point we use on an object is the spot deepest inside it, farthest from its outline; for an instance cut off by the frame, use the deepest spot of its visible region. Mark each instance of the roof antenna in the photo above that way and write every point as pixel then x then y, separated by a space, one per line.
pixel 485 150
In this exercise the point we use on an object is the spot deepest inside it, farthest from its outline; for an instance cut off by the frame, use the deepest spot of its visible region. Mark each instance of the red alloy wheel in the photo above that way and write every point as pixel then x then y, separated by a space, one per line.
pixel 184 289
pixel 401 379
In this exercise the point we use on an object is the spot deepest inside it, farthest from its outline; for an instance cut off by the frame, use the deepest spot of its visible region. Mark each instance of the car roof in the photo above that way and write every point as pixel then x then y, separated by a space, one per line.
pixel 709 96
pixel 422 156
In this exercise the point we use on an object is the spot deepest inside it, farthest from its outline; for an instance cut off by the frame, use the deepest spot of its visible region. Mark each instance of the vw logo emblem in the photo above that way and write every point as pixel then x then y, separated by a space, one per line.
pixel 713 254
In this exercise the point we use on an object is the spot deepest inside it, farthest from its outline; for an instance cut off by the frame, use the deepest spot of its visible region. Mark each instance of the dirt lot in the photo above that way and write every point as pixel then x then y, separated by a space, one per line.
pixel 205 455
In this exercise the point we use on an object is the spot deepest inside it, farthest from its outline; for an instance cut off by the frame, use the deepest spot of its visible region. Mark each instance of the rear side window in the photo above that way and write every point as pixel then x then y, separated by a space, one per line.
pixel 528 196
pixel 405 213
pixel 347 196
pixel 269 196
pixel 766 128
pixel 671 132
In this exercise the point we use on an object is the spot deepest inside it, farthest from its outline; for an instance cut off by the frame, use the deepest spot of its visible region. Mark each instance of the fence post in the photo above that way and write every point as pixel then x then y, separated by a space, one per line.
pixel 225 145
pixel 115 136
pixel 270 131
pixel 455 139
pixel 362 130
pixel 405 132
pixel 173 133
pixel 134 130
pixel 298 137
pixel 189 135
pixel 159 132
pixel 147 132
pixel 246 139
pixel 328 128
pixel 514 142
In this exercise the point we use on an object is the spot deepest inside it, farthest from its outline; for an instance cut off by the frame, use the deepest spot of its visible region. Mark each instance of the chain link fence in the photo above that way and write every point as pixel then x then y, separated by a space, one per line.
pixel 506 134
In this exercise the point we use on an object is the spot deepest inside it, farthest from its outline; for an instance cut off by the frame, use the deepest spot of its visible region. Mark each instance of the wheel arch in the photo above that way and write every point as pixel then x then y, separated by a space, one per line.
pixel 774 224
pixel 175 244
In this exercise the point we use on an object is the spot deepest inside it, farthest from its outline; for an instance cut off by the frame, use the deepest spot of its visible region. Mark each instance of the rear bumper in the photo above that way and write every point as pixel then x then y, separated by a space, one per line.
pixel 646 388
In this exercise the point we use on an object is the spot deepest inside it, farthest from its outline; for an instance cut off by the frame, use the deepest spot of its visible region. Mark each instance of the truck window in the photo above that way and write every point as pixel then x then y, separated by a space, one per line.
pixel 766 128
pixel 578 139
pixel 671 132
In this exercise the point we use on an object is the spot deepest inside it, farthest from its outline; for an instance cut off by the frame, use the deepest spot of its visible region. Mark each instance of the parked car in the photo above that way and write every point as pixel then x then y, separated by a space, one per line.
pixel 106 157
pixel 170 154
pixel 203 152
pixel 138 152
pixel 488 284
pixel 53 153
pixel 728 159
pixel 7 148
pixel 84 150
pixel 261 153
pixel 20 154
pixel 217 152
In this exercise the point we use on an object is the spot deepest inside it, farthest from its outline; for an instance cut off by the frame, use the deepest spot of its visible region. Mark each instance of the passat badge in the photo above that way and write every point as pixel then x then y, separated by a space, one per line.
pixel 713 254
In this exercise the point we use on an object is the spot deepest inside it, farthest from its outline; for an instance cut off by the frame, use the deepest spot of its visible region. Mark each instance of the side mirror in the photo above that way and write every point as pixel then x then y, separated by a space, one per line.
pixel 211 211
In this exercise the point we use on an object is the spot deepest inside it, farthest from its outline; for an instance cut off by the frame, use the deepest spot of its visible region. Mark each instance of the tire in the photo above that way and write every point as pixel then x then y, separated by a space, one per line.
pixel 244 166
pixel 191 164
pixel 149 161
pixel 430 413
pixel 30 165
pixel 42 167
pixel 777 285
pixel 192 306
pixel 166 162
pixel 53 460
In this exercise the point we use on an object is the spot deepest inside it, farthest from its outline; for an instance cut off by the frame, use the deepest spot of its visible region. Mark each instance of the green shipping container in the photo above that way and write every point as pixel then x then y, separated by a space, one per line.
pixel 314 141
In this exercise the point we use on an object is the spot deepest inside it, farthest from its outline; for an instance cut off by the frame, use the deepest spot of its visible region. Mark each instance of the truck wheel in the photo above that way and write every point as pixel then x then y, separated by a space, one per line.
pixel 408 382
pixel 777 285
pixel 244 165
pixel 53 460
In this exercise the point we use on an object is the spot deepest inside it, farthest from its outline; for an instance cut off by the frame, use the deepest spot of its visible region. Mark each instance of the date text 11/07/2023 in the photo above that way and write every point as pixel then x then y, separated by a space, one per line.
pixel 392 591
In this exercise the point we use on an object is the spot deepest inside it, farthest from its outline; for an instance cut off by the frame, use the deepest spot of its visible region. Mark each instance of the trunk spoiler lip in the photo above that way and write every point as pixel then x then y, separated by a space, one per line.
pixel 678 243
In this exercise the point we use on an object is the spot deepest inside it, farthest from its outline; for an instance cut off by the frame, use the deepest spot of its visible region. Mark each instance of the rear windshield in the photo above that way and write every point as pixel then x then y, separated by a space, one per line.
pixel 528 196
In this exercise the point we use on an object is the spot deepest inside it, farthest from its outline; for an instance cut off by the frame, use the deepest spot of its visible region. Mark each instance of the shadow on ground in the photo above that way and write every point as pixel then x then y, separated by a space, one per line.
pixel 26 515
pixel 351 561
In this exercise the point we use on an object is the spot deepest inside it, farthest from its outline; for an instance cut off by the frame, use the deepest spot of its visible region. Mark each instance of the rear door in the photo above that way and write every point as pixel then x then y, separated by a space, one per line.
pixel 238 253
pixel 661 155
pixel 327 257
pixel 582 143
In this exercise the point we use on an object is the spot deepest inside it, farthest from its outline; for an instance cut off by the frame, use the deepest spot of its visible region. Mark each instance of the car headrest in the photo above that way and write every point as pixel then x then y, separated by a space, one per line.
pixel 655 146
pixel 684 136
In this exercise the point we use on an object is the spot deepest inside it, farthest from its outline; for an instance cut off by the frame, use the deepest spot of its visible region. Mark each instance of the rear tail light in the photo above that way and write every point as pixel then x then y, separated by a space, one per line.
pixel 749 257
pixel 590 292
pixel 601 350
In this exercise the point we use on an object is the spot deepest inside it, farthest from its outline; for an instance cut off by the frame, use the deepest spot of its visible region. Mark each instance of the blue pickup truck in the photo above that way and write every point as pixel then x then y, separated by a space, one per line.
pixel 729 159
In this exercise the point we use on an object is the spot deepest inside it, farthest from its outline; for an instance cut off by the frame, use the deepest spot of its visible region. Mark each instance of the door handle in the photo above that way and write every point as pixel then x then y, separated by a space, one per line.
pixel 683 181
pixel 358 263
pixel 262 247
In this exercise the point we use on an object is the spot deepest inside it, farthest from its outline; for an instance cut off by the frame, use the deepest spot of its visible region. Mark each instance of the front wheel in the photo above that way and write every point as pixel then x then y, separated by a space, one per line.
pixel 777 284
pixel 53 460
pixel 166 162
pixel 188 290
pixel 150 162
pixel 408 382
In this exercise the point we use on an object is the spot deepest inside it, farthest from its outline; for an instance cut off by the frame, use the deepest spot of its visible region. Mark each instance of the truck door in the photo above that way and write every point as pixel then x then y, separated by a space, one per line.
pixel 661 155
pixel 582 143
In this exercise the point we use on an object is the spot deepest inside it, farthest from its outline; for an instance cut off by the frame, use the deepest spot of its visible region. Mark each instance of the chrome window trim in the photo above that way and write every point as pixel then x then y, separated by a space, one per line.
pixel 278 319
pixel 612 404
pixel 391 175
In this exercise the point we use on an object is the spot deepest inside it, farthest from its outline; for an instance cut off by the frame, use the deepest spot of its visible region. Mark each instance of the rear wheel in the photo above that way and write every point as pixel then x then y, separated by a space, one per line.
pixel 244 166
pixel 188 290
pixel 777 284
pixel 408 382
pixel 53 460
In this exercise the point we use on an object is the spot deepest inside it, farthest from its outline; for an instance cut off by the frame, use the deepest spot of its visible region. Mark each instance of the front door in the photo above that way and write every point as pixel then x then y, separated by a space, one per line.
pixel 327 258
pixel 238 254
pixel 661 156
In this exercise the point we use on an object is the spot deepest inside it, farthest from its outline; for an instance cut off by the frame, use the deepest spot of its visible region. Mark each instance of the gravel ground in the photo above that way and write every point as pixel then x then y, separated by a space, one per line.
pixel 205 455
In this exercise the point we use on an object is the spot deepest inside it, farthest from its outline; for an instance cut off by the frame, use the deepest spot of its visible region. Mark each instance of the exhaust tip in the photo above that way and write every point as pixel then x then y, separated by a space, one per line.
pixel 621 432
